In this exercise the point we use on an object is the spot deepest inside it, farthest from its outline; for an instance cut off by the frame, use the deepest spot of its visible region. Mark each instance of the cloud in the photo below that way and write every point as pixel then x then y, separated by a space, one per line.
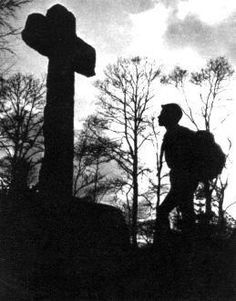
pixel 208 40
pixel 137 6
pixel 107 23
pixel 172 4
pixel 209 11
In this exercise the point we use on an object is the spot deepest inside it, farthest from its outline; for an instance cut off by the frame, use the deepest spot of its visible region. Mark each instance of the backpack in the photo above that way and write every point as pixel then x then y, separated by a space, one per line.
pixel 208 157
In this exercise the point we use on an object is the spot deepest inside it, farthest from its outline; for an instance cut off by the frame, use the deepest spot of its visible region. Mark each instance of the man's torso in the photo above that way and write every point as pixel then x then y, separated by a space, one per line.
pixel 178 148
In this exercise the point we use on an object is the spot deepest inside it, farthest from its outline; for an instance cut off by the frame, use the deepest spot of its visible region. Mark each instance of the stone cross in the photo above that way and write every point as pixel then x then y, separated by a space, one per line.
pixel 54 36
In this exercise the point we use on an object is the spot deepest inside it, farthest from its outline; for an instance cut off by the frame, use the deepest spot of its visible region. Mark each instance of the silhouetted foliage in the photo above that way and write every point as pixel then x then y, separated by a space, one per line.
pixel 146 231
pixel 22 100
pixel 93 162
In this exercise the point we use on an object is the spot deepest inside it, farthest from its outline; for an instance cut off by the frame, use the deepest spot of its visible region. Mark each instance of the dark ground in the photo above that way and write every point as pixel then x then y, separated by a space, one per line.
pixel 37 264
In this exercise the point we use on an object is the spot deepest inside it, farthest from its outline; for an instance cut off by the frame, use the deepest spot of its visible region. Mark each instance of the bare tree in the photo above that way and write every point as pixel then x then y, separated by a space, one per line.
pixel 210 84
pixel 8 9
pixel 92 157
pixel 22 100
pixel 125 98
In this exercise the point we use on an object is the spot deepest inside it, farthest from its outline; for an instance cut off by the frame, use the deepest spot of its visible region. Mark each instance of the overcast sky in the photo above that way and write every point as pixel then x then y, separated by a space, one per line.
pixel 173 32
pixel 164 29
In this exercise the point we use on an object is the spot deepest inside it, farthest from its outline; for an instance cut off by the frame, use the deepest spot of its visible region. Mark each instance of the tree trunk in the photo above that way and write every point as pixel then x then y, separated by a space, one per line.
pixel 135 205
pixel 221 220
pixel 96 182
pixel 135 190
pixel 208 202
pixel 159 168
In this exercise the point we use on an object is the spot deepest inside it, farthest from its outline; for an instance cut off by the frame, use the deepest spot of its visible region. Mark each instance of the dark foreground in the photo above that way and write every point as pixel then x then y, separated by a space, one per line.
pixel 75 262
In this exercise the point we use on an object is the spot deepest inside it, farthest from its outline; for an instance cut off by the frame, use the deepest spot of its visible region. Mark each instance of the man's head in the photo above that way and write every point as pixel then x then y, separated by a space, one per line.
pixel 170 115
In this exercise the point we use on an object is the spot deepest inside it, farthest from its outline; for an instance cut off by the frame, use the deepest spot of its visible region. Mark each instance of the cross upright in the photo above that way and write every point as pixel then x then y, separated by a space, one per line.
pixel 54 36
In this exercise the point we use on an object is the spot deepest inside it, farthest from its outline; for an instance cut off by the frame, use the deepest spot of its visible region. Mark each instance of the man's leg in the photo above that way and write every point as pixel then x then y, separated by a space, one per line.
pixel 162 226
pixel 187 206
pixel 169 203
pixel 181 194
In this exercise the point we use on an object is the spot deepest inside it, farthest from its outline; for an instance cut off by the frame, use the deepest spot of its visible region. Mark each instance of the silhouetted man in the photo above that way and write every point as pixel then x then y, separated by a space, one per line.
pixel 177 147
